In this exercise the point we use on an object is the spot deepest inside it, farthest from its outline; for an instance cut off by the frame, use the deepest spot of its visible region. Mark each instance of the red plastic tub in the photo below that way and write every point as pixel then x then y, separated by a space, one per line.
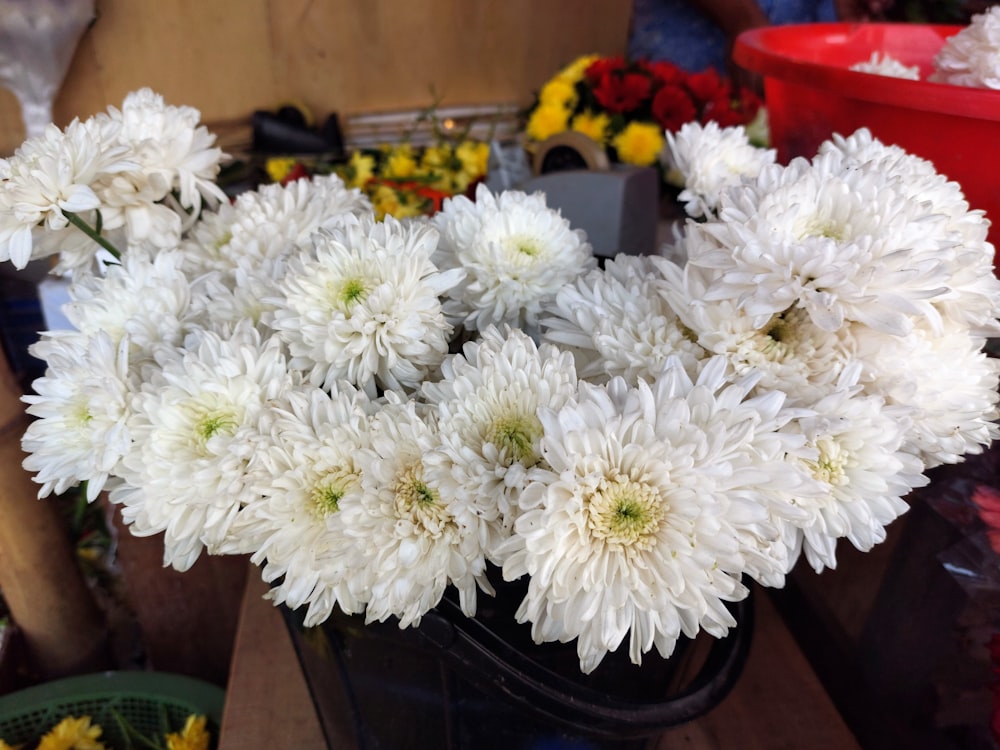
pixel 811 93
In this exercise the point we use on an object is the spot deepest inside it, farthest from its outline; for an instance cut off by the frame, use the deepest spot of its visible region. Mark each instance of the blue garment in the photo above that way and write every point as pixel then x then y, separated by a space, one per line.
pixel 674 30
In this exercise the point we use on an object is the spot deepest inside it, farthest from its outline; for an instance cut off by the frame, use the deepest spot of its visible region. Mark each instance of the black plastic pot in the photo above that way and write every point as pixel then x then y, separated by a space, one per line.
pixel 481 683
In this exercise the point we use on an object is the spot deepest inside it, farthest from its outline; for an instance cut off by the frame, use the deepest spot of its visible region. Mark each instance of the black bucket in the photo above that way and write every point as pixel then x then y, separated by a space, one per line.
pixel 480 683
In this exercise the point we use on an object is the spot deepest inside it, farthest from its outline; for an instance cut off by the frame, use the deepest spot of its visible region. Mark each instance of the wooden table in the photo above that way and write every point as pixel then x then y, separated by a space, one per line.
pixel 778 702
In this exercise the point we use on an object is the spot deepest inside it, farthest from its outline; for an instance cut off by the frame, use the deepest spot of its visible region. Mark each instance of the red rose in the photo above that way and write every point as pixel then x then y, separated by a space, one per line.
pixel 705 85
pixel 672 107
pixel 750 103
pixel 727 110
pixel 619 93
pixel 667 73
pixel 602 67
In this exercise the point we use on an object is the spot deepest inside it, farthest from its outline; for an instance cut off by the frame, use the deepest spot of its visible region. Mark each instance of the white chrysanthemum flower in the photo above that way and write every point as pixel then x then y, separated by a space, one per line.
pixel 638 529
pixel 365 307
pixel 790 353
pixel 883 64
pixel 294 530
pixel 174 152
pixel 50 175
pixel 862 463
pixel 487 409
pixel 516 251
pixel 972 56
pixel 220 300
pixel 843 242
pixel 270 223
pixel 973 293
pixel 945 381
pixel 617 323
pixel 711 160
pixel 81 406
pixel 196 431
pixel 415 542
pixel 146 299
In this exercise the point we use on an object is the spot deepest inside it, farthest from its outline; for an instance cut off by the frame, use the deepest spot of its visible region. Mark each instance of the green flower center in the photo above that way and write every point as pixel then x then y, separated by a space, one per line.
pixel 515 436
pixel 821 226
pixel 778 340
pixel 82 414
pixel 523 247
pixel 222 240
pixel 832 464
pixel 352 291
pixel 328 492
pixel 215 422
pixel 419 503
pixel 625 513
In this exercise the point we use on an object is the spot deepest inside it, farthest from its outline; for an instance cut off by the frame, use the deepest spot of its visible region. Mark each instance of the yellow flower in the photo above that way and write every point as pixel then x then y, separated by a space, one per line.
pixel 194 736
pixel 475 158
pixel 575 70
pixel 73 734
pixel 438 157
pixel 277 168
pixel 5 746
pixel 639 143
pixel 546 121
pixel 594 125
pixel 400 163
pixel 360 169
pixel 388 201
pixel 558 92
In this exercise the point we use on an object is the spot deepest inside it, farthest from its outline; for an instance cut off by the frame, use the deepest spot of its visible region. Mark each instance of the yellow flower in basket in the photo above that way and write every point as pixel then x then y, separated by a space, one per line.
pixel 73 733
pixel 547 120
pixel 639 143
pixel 594 125
pixel 475 158
pixel 559 92
pixel 574 71
pixel 400 162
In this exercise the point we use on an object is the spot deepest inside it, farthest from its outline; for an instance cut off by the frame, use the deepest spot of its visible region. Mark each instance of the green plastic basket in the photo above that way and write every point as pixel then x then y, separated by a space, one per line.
pixel 149 701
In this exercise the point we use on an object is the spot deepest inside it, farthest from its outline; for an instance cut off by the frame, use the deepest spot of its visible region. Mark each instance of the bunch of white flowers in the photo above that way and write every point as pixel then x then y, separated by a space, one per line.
pixel 378 411
pixel 972 56
pixel 135 175
pixel 884 64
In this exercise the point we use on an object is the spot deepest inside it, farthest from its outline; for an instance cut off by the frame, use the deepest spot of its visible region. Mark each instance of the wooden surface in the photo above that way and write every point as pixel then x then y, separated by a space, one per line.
pixel 230 57
pixel 187 621
pixel 778 703
pixel 267 701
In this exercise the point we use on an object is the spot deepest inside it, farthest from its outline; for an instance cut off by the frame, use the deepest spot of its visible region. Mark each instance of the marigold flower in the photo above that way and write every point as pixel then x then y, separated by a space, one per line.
pixel 400 162
pixel 639 143
pixel 594 125
pixel 558 91
pixel 546 121
pixel 73 733
pixel 576 69
pixel 194 736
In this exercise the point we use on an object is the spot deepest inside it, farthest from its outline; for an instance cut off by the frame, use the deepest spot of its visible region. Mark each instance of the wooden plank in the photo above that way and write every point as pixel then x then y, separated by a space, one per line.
pixel 267 701
pixel 346 56
pixel 187 620
pixel 778 703
pixel 230 57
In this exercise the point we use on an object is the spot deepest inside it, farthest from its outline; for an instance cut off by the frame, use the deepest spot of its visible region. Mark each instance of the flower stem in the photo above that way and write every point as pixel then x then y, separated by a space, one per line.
pixel 88 230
